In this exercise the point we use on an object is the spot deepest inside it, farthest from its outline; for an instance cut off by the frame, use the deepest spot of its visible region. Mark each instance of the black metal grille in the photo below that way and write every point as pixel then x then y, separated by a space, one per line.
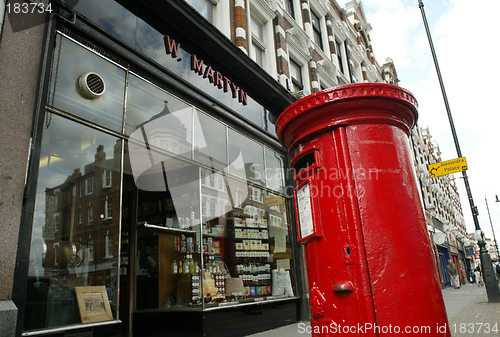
pixel 95 84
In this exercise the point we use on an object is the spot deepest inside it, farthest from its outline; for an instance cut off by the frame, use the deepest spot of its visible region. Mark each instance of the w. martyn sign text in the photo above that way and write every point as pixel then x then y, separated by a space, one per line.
pixel 206 71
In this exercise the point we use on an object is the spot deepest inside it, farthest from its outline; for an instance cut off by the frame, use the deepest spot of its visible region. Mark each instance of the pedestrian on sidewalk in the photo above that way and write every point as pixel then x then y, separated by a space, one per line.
pixel 496 268
pixel 452 270
pixel 479 276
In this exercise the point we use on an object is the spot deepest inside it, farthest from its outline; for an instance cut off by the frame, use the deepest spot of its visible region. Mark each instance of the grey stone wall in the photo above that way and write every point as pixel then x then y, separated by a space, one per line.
pixel 20 61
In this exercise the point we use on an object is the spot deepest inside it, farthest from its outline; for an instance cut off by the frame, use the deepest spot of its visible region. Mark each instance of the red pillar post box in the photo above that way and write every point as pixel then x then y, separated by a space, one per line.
pixel 370 262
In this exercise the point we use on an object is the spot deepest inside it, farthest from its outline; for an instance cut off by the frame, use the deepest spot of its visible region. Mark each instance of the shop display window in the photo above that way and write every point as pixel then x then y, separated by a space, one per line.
pixel 212 219
pixel 143 196
pixel 71 252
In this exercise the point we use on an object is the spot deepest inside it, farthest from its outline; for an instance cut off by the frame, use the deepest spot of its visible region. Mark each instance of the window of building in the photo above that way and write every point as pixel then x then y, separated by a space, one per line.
pixel 220 182
pixel 80 215
pixel 89 186
pixel 57 195
pixel 56 222
pixel 56 253
pixel 213 207
pixel 106 178
pixel 90 215
pixel 212 180
pixel 289 8
pixel 338 51
pixel 108 209
pixel 296 75
pixel 109 245
pixel 90 243
pixel 258 46
pixel 316 25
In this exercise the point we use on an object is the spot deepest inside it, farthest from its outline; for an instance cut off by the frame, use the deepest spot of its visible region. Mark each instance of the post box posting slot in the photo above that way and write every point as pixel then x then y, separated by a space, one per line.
pixel 305 163
pixel 306 196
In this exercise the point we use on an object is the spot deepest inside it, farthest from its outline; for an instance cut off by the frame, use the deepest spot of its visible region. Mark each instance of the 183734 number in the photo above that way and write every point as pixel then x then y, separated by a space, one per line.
pixel 28 8
pixel 474 328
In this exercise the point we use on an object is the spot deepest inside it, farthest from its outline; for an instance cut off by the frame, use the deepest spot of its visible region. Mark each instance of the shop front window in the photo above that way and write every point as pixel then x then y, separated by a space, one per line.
pixel 207 234
pixel 71 153
pixel 152 194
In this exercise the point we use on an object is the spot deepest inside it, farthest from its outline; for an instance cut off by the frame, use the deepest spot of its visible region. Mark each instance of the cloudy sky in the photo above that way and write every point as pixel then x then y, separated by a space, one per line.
pixel 465 39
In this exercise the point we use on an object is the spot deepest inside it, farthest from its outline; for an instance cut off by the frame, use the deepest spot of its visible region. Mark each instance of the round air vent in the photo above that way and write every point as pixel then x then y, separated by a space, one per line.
pixel 91 85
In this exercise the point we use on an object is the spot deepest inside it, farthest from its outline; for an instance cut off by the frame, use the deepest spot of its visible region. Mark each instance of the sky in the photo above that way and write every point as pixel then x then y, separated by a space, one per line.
pixel 465 40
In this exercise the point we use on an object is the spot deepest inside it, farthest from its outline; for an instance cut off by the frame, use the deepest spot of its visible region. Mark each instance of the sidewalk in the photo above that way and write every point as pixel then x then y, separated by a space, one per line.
pixel 469 315
pixel 478 318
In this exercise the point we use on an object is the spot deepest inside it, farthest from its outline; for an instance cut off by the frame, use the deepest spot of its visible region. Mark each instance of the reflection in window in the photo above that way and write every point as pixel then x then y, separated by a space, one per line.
pixel 91 249
pixel 253 157
pixel 90 215
pixel 71 155
pixel 108 209
pixel 106 178
pixel 159 119
pixel 56 253
pixel 275 165
pixel 109 245
pixel 210 141
pixel 89 186
pixel 56 222
pixel 80 215
pixel 109 15
pixel 71 62
pixel 204 7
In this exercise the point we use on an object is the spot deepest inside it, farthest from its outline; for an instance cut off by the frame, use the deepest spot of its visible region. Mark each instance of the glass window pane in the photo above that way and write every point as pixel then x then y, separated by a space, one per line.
pixel 257 27
pixel 110 15
pixel 252 157
pixel 71 62
pixel 158 120
pixel 210 142
pixel 274 171
pixel 167 214
pixel 70 249
pixel 289 7
pixel 204 7
pixel 245 248
pixel 295 71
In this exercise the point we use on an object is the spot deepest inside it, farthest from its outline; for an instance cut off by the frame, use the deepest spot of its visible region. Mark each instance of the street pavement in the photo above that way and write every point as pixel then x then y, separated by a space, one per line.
pixel 469 315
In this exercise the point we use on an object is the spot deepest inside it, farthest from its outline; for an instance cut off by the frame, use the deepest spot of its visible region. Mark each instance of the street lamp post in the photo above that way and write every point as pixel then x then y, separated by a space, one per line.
pixel 491 223
pixel 488 273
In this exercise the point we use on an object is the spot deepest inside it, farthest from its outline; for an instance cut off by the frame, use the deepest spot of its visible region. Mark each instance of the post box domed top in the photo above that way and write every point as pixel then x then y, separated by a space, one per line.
pixel 346 105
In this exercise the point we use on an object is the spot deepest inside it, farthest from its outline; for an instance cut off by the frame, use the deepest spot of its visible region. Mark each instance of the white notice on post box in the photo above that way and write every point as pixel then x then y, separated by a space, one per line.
pixel 305 211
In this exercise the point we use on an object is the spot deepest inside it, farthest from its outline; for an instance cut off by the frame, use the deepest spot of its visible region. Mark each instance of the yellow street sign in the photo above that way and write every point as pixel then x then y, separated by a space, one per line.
pixel 447 167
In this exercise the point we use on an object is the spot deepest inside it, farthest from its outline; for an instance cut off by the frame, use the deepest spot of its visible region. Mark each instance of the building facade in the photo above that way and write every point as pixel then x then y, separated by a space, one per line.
pixel 143 187
pixel 441 201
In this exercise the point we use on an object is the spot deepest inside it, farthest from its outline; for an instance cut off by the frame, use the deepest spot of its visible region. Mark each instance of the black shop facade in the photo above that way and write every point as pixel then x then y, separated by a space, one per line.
pixel 159 205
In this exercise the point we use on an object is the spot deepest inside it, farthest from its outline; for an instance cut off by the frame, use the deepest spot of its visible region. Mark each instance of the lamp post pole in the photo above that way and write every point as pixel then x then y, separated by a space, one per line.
pixel 488 273
pixel 491 223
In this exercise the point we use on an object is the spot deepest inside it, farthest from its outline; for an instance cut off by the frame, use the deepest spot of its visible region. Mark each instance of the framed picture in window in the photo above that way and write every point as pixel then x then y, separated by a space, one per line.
pixel 93 304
